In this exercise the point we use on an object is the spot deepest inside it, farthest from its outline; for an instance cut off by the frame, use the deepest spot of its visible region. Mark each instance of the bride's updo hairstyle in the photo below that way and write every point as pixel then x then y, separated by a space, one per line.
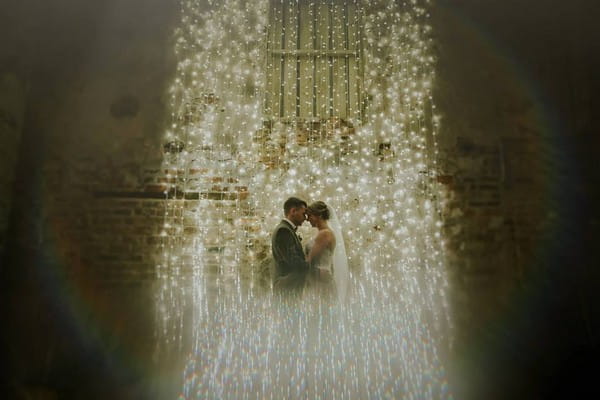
pixel 320 209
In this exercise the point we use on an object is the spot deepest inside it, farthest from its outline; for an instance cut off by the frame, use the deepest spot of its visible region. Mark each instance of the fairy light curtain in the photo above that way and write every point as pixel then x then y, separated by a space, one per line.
pixel 328 100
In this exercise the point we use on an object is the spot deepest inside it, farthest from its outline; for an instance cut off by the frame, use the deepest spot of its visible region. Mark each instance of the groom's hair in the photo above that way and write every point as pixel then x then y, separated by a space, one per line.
pixel 293 202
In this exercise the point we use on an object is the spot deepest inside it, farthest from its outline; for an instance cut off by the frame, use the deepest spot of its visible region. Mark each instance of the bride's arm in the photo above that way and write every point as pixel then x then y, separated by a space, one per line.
pixel 322 241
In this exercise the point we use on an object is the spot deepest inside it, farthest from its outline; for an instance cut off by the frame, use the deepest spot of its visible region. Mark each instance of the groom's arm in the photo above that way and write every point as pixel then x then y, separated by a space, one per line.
pixel 289 251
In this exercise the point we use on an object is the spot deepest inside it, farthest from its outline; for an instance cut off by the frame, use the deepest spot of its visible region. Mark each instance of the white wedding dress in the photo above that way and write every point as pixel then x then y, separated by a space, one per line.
pixel 324 261
pixel 334 282
pixel 320 281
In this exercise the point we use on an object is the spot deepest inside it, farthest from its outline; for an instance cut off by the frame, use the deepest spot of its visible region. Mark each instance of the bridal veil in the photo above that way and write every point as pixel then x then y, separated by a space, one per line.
pixel 341 273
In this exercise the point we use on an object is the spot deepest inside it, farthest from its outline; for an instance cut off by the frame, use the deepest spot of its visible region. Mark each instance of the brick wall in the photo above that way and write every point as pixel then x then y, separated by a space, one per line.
pixel 110 236
pixel 494 159
pixel 491 229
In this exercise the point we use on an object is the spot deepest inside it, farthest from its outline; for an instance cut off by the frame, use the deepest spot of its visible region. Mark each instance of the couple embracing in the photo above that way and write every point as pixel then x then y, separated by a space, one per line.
pixel 320 267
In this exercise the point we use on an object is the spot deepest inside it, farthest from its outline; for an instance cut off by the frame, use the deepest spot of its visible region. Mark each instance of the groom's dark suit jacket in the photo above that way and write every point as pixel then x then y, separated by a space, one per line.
pixel 291 267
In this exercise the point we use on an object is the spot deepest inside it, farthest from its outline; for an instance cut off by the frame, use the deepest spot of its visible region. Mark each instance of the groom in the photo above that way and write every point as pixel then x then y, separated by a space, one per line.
pixel 291 267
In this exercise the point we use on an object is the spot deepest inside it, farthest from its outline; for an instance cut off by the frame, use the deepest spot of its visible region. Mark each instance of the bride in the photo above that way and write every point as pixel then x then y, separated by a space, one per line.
pixel 326 254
